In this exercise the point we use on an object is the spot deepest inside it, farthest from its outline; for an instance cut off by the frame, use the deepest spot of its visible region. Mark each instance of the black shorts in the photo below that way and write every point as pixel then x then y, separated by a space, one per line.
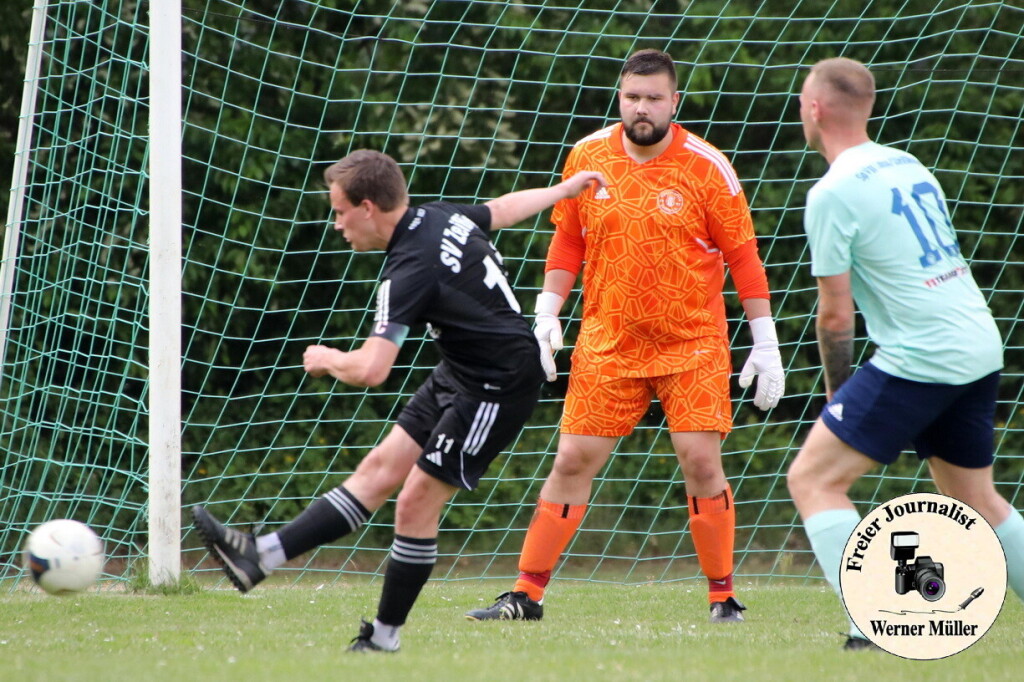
pixel 461 433
pixel 880 415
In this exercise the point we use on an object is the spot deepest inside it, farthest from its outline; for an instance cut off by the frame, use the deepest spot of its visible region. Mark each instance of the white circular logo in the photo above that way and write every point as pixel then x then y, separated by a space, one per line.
pixel 923 576
pixel 670 201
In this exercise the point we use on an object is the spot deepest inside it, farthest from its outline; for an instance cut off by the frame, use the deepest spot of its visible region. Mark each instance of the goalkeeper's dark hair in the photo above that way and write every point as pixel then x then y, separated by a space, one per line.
pixel 649 63
pixel 369 174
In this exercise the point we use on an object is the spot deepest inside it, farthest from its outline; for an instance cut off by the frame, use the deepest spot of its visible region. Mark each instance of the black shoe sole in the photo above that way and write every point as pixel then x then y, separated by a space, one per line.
pixel 199 522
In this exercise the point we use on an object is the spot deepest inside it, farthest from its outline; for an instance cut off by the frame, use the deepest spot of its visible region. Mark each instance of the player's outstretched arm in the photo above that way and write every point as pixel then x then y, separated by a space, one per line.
pixel 515 207
pixel 368 365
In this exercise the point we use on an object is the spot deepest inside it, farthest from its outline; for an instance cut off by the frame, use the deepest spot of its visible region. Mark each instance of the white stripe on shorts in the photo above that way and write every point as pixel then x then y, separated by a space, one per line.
pixel 481 427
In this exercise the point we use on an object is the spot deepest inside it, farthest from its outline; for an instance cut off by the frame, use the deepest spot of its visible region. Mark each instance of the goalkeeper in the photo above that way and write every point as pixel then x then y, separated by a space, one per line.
pixel 440 269
pixel 655 242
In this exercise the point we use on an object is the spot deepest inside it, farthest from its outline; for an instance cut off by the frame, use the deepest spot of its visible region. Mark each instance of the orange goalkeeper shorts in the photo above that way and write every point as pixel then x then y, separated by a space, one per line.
pixel 698 400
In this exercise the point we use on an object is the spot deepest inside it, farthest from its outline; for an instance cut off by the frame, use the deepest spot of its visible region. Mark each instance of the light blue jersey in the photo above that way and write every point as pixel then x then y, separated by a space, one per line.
pixel 880 215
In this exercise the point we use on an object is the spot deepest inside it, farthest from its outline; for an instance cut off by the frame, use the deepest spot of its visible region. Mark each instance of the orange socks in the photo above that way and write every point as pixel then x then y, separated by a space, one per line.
pixel 552 527
pixel 713 526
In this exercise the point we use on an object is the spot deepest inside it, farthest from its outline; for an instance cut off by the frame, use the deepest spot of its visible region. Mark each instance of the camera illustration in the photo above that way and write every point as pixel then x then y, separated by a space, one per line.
pixel 923 575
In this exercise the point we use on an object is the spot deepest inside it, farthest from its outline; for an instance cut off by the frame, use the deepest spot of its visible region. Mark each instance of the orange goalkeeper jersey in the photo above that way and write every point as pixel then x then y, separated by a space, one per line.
pixel 653 243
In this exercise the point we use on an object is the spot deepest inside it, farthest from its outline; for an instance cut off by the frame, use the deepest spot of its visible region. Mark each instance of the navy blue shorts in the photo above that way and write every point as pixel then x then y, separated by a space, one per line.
pixel 881 415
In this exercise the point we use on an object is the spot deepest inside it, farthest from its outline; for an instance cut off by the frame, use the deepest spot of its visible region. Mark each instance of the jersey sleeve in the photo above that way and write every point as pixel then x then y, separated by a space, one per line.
pixel 747 271
pixel 402 300
pixel 829 234
pixel 566 250
pixel 729 221
pixel 478 213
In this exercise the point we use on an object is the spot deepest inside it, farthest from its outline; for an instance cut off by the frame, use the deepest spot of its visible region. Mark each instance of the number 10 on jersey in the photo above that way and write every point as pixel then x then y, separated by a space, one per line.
pixel 927 200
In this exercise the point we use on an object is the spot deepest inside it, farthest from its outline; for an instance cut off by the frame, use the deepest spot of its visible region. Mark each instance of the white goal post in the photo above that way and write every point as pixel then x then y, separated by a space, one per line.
pixel 165 292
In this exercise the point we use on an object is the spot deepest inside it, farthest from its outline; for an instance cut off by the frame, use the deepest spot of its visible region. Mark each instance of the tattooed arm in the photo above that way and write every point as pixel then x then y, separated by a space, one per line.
pixel 835 330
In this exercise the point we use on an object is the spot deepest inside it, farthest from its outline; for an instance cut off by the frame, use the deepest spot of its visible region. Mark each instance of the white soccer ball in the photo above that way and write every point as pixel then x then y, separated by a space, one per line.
pixel 64 556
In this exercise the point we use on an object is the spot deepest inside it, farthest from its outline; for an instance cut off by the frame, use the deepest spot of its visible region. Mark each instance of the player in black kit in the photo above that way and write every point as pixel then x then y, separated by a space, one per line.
pixel 441 269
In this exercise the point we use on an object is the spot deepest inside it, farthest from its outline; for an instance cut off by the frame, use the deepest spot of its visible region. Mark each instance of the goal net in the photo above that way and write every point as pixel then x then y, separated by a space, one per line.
pixel 473 99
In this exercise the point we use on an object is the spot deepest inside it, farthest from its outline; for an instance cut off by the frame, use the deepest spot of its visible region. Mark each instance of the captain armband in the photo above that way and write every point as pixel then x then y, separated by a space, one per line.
pixel 392 331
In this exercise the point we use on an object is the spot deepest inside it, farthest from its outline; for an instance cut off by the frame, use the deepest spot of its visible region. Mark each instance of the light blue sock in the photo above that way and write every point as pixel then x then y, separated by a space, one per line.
pixel 1011 534
pixel 828 532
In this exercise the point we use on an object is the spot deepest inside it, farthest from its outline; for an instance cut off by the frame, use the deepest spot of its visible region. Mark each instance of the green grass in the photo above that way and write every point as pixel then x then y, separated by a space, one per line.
pixel 591 631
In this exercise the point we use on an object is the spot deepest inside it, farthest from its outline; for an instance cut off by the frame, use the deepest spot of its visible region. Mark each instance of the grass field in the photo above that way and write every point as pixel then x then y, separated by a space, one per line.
pixel 590 631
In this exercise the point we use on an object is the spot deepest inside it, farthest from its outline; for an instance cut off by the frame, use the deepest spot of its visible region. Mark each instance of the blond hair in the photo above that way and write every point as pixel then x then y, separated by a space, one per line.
pixel 846 81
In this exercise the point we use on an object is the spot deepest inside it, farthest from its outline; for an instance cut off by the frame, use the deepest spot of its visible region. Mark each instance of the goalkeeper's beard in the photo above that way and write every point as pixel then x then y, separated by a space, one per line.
pixel 645 138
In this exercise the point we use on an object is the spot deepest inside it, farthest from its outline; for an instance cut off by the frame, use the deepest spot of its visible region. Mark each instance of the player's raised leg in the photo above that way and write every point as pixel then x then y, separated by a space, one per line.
pixel 559 512
pixel 247 560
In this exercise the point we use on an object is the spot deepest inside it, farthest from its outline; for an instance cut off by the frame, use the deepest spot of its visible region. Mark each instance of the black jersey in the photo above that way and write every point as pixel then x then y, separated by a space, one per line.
pixel 442 269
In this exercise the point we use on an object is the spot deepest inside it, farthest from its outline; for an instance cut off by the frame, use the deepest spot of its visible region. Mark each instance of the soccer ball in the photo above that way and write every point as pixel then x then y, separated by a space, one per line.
pixel 64 556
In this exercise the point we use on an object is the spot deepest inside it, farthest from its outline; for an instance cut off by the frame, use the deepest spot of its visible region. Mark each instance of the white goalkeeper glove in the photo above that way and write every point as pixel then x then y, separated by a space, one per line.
pixel 766 362
pixel 548 330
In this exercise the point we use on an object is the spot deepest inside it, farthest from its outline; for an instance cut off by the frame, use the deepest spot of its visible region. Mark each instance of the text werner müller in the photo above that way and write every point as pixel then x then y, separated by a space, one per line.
pixel 953 628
